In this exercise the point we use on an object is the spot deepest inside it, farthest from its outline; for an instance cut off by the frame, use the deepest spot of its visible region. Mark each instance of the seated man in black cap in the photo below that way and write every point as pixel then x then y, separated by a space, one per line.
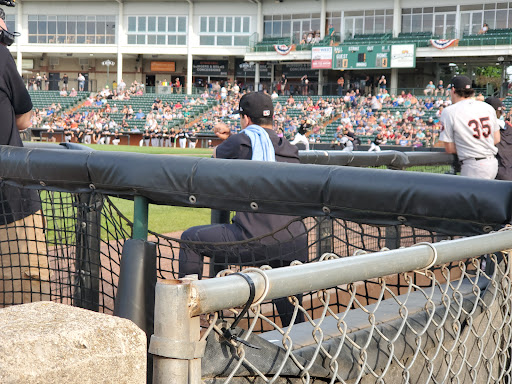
pixel 273 240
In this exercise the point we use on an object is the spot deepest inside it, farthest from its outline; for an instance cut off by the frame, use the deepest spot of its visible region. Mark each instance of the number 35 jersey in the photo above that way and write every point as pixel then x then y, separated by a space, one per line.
pixel 471 125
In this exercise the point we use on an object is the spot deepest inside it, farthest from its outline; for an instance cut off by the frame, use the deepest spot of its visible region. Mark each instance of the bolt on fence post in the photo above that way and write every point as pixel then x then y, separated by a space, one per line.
pixel 175 343
pixel 140 218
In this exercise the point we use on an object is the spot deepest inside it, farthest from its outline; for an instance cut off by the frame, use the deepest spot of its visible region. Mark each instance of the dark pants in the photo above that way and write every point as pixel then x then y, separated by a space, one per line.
pixel 227 244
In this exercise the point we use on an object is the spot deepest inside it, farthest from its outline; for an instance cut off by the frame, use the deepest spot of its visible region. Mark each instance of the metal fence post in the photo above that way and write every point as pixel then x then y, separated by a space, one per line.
pixel 325 237
pixel 175 344
pixel 140 218
pixel 88 238
pixel 220 217
pixel 393 236
pixel 135 297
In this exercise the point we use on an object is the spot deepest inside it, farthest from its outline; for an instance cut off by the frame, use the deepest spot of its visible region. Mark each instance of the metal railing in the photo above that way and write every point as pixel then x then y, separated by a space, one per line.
pixel 454 328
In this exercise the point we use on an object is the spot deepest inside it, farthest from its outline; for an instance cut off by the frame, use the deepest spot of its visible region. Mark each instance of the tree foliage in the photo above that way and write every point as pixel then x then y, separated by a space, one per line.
pixel 490 74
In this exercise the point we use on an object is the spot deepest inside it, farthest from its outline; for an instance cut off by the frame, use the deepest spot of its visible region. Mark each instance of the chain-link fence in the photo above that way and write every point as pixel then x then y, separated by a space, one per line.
pixel 446 325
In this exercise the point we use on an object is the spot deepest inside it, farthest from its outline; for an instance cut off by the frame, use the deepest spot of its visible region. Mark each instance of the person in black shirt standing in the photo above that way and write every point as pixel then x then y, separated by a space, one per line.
pixel 504 155
pixel 24 270
pixel 281 239
pixel 65 80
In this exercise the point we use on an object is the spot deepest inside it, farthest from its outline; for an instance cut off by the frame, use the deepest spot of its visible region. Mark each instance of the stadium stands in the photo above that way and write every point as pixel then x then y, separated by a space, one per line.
pixel 44 99
pixel 403 120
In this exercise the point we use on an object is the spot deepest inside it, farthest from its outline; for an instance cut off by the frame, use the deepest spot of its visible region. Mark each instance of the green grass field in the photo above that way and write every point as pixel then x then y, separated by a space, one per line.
pixel 199 152
pixel 164 218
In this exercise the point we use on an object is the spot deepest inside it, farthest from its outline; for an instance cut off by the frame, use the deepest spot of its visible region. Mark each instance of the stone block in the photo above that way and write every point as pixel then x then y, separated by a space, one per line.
pixel 46 342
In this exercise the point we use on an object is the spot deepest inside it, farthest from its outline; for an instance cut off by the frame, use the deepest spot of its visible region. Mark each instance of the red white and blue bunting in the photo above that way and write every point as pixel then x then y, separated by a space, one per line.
pixel 443 44
pixel 284 49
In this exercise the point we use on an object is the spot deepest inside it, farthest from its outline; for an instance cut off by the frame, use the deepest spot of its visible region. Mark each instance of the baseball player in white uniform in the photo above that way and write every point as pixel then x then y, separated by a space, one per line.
pixel 300 135
pixel 470 130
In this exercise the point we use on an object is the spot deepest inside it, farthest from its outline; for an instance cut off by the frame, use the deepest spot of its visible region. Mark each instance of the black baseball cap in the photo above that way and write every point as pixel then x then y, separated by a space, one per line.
pixel 495 103
pixel 461 82
pixel 256 105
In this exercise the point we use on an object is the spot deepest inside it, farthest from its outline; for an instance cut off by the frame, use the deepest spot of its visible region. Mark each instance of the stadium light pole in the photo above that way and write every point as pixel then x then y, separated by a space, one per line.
pixel 108 63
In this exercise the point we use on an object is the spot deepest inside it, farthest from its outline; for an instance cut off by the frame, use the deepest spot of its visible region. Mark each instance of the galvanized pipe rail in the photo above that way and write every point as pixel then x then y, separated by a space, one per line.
pixel 232 291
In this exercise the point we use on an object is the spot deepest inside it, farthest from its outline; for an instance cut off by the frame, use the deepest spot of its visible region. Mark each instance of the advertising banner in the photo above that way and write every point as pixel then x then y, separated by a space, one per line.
pixel 321 57
pixel 163 66
pixel 403 56
pixel 210 68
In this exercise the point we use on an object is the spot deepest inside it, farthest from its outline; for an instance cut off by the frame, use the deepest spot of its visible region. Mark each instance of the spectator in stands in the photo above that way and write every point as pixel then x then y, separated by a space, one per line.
pixel 121 86
pixel 430 88
pixel 448 90
pixel 73 93
pixel 382 82
pixel 65 80
pixel 440 88
pixel 39 82
pixel 317 38
pixel 283 82
pixel 331 33
pixel 63 92
pixel 140 115
pixel 46 83
pixel 177 85
pixel 341 84
pixel 484 29
pixel 236 89
pixel 305 85
pixel 81 82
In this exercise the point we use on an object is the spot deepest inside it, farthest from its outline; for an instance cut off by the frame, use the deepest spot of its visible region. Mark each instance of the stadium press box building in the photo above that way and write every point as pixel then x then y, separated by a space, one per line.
pixel 256 42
